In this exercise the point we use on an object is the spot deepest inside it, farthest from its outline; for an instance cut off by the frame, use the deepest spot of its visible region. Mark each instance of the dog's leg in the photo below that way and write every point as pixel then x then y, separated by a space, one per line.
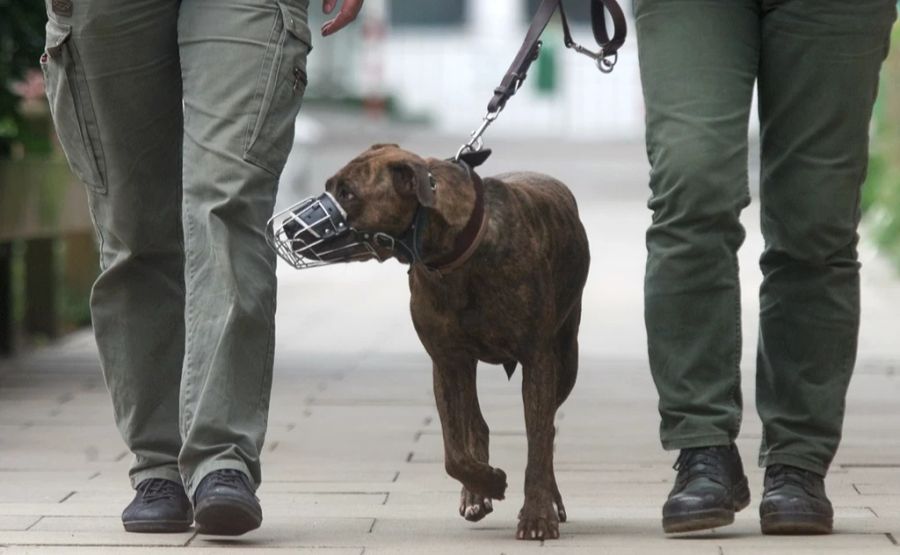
pixel 457 403
pixel 567 341
pixel 538 519
pixel 472 506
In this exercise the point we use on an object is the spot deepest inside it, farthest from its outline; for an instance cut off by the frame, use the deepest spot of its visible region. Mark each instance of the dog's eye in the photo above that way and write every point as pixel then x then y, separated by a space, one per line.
pixel 345 194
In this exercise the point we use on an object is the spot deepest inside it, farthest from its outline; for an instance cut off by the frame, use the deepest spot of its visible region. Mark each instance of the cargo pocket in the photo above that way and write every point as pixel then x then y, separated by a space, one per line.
pixel 71 108
pixel 279 91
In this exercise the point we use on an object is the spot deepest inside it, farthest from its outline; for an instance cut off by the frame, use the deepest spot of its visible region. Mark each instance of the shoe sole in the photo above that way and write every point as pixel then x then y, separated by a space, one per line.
pixel 784 524
pixel 709 518
pixel 226 516
pixel 157 526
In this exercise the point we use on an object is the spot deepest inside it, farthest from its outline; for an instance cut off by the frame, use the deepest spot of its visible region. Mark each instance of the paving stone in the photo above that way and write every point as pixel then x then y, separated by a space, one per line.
pixel 97 508
pixel 99 524
pixel 193 550
pixel 283 531
pixel 17 522
pixel 803 550
pixel 91 538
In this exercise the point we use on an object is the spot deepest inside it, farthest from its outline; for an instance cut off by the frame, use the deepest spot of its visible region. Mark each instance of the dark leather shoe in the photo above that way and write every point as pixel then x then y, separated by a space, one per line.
pixel 159 506
pixel 794 502
pixel 709 489
pixel 225 505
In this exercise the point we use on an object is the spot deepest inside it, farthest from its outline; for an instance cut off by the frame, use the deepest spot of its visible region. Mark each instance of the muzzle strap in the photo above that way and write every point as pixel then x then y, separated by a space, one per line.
pixel 411 240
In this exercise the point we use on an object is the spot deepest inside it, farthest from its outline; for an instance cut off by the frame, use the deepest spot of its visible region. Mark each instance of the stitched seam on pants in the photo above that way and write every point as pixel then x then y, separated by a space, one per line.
pixel 86 117
pixel 268 108
pixel 101 241
pixel 847 365
pixel 738 339
pixel 736 361
pixel 187 393
pixel 261 82
pixel 268 364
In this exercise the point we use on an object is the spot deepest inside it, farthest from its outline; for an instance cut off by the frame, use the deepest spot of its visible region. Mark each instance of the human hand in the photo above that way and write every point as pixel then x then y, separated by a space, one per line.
pixel 348 12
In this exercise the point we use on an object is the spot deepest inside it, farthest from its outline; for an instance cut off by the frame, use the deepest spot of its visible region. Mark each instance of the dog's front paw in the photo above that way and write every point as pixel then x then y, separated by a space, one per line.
pixel 480 479
pixel 538 521
pixel 474 507
pixel 495 487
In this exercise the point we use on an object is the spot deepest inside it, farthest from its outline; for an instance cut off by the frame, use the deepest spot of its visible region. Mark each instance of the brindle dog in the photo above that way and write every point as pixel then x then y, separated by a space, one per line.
pixel 517 299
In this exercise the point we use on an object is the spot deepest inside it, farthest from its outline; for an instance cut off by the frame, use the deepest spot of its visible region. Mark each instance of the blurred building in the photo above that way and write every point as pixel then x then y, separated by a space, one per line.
pixel 439 60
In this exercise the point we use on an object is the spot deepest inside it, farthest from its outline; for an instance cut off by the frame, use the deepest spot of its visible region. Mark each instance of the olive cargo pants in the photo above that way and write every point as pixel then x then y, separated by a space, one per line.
pixel 816 63
pixel 178 116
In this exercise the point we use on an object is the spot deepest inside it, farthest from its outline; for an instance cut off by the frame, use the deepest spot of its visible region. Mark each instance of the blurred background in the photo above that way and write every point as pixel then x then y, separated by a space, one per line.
pixel 418 72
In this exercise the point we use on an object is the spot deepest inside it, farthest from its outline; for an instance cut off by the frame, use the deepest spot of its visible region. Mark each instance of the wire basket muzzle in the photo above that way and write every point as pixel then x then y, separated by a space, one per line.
pixel 314 232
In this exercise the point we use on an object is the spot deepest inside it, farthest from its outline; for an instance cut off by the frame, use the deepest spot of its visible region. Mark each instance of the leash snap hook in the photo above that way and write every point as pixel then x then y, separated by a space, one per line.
pixel 607 63
pixel 476 141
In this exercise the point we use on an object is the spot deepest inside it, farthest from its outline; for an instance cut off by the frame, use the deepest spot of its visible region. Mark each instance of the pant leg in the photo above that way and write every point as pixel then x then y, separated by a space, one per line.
pixel 698 65
pixel 818 79
pixel 243 68
pixel 114 85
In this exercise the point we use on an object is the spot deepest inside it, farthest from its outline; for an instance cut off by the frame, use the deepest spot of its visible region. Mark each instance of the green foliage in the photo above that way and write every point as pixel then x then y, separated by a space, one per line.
pixel 881 195
pixel 21 43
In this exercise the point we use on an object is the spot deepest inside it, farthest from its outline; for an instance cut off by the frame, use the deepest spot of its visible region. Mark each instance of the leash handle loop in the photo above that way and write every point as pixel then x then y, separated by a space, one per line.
pixel 605 58
pixel 512 81
pixel 608 54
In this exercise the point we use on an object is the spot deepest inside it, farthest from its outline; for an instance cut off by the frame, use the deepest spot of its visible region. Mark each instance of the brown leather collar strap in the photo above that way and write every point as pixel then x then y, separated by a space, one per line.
pixel 469 238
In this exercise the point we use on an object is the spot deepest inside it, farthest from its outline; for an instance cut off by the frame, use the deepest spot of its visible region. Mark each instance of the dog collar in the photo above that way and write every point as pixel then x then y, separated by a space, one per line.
pixel 468 240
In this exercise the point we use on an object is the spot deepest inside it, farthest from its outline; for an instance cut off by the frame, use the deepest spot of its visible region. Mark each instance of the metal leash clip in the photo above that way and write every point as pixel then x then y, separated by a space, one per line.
pixel 605 62
pixel 476 142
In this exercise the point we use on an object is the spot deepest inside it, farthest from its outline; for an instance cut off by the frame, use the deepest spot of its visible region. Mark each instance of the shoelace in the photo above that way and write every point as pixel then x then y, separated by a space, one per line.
pixel 700 462
pixel 228 477
pixel 780 475
pixel 156 489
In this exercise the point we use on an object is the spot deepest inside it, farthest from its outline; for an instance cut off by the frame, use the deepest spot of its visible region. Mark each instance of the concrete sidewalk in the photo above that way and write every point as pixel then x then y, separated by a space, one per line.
pixel 353 460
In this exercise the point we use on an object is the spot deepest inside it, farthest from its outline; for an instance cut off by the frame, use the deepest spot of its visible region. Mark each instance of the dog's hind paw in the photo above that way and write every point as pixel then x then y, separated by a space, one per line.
pixel 560 508
pixel 537 524
pixel 538 529
pixel 474 507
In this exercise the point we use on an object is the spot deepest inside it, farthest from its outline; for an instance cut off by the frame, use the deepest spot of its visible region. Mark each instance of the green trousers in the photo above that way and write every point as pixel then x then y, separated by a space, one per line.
pixel 178 116
pixel 816 65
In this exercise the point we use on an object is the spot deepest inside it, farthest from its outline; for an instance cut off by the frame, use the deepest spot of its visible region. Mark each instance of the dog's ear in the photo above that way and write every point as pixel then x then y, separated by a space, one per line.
pixel 379 146
pixel 410 178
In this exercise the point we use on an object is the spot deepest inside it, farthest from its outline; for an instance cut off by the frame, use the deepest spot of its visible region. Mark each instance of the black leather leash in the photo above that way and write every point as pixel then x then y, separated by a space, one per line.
pixel 472 154
pixel 605 58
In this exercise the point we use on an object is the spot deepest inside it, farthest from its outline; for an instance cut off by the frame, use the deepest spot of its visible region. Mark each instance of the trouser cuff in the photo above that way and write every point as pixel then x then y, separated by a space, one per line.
pixel 164 472
pixel 793 460
pixel 687 442
pixel 191 481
